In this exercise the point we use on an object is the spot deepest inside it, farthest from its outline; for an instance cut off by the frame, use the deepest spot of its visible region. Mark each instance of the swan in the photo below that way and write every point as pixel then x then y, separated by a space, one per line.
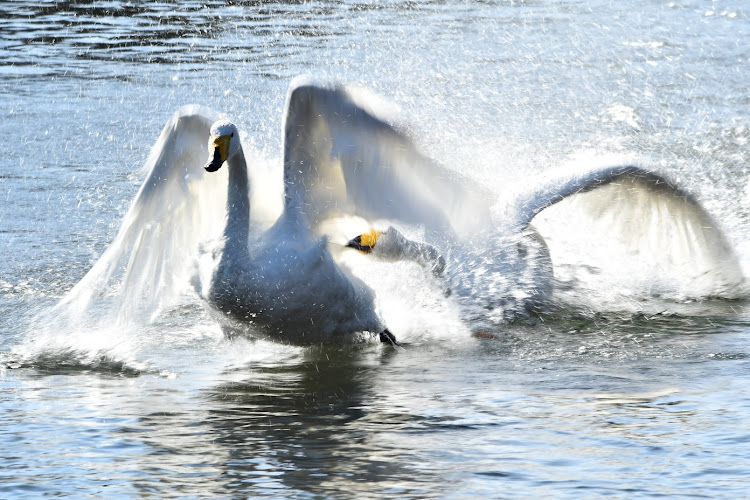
pixel 343 156
pixel 665 227
pixel 283 282
pixel 346 156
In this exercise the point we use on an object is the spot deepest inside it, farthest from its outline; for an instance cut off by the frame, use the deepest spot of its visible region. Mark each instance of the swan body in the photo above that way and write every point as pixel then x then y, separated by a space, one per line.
pixel 344 156
pixel 284 284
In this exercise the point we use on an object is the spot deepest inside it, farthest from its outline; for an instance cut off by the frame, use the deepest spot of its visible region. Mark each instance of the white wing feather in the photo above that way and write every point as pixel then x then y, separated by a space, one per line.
pixel 176 208
pixel 662 227
pixel 341 156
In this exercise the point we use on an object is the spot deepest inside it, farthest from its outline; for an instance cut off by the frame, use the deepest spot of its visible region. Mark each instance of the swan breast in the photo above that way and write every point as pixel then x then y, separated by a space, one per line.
pixel 292 295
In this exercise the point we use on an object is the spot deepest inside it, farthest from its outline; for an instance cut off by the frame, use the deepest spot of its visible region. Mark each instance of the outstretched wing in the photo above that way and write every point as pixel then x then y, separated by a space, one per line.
pixel 659 226
pixel 175 209
pixel 342 156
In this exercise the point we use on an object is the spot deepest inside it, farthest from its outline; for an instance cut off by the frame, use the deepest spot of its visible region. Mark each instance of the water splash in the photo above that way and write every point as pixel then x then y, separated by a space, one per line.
pixel 617 244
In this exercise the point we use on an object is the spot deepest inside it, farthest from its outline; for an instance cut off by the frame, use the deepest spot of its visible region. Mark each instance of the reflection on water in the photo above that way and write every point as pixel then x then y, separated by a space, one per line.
pixel 374 422
pixel 311 427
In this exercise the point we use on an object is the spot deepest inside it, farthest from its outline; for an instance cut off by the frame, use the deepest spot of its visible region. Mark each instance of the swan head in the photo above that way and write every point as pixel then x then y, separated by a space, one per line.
pixel 222 145
pixel 365 243
pixel 391 246
pixel 388 245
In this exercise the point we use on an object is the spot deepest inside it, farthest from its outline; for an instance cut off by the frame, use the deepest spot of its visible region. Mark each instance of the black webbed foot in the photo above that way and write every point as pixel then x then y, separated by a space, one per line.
pixel 387 337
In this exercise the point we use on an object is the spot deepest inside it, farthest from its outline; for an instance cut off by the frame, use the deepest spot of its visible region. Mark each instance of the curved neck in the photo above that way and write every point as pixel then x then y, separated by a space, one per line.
pixel 394 246
pixel 237 227
pixel 426 255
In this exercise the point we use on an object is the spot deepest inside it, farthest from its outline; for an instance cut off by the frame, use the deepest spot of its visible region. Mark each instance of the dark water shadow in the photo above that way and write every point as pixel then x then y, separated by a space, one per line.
pixel 315 426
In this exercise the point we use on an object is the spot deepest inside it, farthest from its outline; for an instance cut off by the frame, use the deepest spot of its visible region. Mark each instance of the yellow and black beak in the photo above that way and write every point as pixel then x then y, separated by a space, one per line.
pixel 364 243
pixel 218 150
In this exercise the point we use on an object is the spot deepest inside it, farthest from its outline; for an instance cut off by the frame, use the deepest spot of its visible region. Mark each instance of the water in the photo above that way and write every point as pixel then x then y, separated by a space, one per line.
pixel 646 399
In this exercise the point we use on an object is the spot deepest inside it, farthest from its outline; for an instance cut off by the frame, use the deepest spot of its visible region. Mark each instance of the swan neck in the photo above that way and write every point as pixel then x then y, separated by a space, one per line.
pixel 398 247
pixel 238 202
pixel 426 255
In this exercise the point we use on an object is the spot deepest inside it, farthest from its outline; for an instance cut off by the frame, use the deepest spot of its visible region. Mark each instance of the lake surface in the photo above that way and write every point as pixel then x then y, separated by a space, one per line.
pixel 638 399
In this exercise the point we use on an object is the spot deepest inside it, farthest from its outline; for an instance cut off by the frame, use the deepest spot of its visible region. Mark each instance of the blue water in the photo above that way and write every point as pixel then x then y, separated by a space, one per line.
pixel 641 399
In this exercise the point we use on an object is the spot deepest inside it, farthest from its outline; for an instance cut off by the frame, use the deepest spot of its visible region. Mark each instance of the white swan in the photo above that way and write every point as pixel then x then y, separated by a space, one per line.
pixel 284 282
pixel 341 157
pixel 664 227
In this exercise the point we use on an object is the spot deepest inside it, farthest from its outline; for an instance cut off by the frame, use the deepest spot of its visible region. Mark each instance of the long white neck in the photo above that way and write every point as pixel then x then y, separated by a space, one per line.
pixel 237 227
pixel 394 246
